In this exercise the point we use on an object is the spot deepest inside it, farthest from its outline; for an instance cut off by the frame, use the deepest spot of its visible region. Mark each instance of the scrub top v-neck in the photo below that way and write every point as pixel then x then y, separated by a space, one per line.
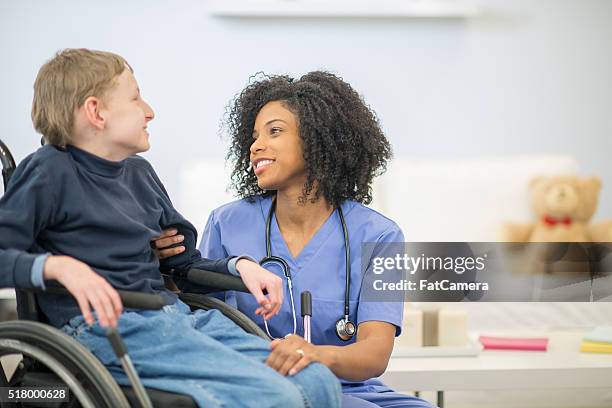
pixel 319 239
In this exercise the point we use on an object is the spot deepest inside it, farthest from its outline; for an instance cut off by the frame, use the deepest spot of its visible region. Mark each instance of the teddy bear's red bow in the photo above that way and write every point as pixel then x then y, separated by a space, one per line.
pixel 548 220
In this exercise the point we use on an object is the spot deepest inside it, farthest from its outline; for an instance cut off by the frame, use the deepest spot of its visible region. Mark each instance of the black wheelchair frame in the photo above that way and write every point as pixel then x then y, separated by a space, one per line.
pixel 52 359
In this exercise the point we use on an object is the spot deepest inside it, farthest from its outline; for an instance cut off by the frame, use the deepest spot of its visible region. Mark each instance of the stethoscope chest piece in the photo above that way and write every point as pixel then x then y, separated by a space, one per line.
pixel 345 329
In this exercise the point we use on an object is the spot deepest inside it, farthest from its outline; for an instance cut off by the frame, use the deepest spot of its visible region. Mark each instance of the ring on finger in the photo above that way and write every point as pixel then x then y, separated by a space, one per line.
pixel 300 352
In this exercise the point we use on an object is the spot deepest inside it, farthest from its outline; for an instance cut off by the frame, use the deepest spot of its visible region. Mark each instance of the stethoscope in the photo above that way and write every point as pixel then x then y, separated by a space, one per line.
pixel 345 328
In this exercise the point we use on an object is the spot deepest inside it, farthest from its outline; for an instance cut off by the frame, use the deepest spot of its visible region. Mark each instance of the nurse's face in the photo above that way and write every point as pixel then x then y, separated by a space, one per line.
pixel 276 152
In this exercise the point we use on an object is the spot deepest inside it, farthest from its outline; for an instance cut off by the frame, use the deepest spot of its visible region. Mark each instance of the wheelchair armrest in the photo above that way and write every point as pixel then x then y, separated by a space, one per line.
pixel 214 280
pixel 130 300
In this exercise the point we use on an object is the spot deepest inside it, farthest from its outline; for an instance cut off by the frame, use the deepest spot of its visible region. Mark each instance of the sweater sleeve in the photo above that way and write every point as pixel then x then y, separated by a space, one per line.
pixel 191 257
pixel 25 210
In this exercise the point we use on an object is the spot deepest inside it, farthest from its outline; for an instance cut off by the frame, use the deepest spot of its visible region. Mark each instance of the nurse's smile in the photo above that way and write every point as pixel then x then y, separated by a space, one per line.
pixel 261 165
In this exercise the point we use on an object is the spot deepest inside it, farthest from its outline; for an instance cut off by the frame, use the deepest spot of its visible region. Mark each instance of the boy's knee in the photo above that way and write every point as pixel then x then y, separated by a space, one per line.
pixel 320 385
pixel 320 374
pixel 291 397
pixel 282 393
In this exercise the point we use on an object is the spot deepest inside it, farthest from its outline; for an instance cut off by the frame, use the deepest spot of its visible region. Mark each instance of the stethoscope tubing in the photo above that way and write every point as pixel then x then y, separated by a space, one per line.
pixel 269 258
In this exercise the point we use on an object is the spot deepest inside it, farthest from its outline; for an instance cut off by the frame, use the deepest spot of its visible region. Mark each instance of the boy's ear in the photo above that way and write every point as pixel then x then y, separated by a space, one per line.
pixel 91 109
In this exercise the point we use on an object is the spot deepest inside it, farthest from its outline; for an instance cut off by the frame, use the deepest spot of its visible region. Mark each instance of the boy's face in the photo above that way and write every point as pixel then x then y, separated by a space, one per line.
pixel 126 115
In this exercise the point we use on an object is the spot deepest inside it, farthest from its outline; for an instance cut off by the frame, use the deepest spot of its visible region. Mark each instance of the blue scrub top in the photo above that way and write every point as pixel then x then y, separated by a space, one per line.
pixel 239 228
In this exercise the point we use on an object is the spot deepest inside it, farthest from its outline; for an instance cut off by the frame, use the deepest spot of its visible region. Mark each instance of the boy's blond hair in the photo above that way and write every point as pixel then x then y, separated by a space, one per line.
pixel 63 84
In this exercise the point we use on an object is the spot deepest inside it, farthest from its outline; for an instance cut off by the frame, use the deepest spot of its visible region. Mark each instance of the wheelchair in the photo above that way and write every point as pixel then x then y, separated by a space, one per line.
pixel 52 359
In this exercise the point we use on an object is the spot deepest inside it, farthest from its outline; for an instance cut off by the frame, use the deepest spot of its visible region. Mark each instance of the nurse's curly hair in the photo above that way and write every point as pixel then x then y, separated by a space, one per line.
pixel 344 146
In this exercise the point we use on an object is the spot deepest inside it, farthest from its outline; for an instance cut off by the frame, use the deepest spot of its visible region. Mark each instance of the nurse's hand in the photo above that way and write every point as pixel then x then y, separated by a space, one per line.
pixel 291 354
pixel 162 244
pixel 256 279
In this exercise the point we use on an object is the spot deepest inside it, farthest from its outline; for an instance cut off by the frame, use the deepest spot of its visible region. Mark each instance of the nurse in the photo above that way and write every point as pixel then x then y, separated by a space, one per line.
pixel 304 155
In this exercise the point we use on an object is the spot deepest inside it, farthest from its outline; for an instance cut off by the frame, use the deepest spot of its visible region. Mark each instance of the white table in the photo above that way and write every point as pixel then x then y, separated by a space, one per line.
pixel 500 370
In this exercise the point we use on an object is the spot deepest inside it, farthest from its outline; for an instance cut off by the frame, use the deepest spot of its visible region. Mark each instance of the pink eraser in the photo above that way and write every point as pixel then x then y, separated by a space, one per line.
pixel 514 343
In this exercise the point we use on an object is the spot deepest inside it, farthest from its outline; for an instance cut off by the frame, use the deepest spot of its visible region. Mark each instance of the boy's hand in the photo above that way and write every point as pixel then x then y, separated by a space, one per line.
pixel 256 280
pixel 161 244
pixel 87 287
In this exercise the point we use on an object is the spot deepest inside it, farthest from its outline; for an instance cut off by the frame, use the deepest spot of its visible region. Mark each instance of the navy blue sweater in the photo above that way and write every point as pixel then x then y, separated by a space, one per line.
pixel 70 202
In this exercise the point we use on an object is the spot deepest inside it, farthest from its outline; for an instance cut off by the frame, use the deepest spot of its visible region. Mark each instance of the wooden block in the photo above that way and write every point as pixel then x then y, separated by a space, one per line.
pixel 452 327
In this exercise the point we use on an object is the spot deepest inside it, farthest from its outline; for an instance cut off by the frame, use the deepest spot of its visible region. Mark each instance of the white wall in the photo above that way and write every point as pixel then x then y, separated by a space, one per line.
pixel 530 76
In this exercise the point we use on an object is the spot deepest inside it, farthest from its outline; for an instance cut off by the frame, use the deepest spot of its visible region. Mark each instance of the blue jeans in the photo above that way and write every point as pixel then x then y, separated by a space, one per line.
pixel 205 355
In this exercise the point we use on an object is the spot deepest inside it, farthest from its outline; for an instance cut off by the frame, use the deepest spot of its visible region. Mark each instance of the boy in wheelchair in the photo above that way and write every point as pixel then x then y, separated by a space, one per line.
pixel 82 211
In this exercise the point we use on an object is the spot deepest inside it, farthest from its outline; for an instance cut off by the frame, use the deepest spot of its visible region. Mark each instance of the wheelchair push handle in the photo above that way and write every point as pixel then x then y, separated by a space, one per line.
pixel 114 338
pixel 121 351
pixel 7 162
pixel 306 303
pixel 130 300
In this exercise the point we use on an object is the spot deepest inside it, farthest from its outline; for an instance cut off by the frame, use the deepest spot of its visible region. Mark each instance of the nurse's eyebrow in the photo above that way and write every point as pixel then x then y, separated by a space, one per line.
pixel 271 121
pixel 274 120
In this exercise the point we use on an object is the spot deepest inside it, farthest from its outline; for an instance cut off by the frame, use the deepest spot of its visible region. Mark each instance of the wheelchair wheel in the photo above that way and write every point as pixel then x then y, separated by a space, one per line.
pixel 199 301
pixel 89 381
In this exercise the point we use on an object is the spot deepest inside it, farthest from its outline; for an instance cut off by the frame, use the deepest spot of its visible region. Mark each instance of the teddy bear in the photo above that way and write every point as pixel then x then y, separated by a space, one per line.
pixel 563 205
